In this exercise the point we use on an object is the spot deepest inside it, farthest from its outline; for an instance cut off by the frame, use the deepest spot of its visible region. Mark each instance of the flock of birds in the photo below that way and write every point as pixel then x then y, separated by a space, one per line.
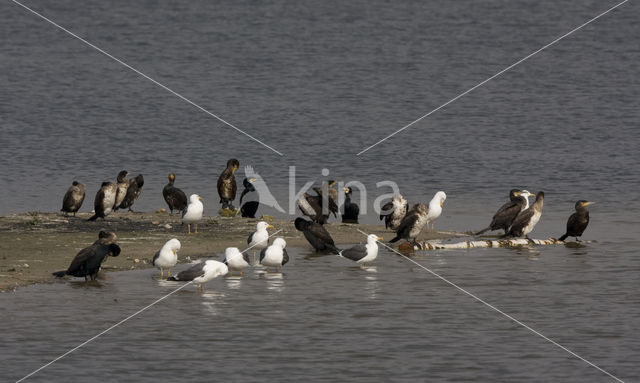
pixel 517 218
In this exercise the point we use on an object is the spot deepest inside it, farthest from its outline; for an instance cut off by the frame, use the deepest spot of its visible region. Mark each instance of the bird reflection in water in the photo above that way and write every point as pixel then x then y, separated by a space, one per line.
pixel 211 301
pixel 372 287
pixel 275 281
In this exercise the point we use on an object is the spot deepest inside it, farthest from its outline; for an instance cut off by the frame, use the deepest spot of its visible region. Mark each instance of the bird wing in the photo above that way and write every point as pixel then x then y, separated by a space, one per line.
pixel 406 224
pixel 192 272
pixel 521 221
pixel 319 232
pixel 355 253
pixel 155 257
pixel 386 210
pixel 97 203
pixel 285 257
pixel 68 201
pixel 263 253
pixel 506 213
pixel 245 256
pixel 250 238
pixel 78 264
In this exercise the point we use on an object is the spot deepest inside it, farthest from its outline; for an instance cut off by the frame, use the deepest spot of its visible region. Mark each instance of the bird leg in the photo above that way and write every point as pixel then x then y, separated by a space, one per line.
pixel 196 225
pixel 161 273
pixel 201 288
pixel 254 257
pixel 168 273
pixel 188 228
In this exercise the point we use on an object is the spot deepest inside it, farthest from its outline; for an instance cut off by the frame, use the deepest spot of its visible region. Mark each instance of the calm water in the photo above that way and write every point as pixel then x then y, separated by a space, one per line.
pixel 320 82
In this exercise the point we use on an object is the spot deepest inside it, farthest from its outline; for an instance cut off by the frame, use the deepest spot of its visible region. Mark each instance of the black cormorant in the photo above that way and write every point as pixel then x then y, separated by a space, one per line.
pixel 394 211
pixel 317 236
pixel 503 218
pixel 133 192
pixel 578 221
pixel 250 208
pixel 412 224
pixel 87 262
pixel 351 209
pixel 527 219
pixel 105 199
pixel 122 185
pixel 73 198
pixel 227 184
pixel 174 197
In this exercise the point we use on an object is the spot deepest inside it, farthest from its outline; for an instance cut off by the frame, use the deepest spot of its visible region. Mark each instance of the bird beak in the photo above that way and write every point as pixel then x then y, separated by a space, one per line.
pixel 441 203
pixel 346 190
pixel 588 203
pixel 269 226
pixel 379 238
pixel 200 198
pixel 174 253
pixel 252 180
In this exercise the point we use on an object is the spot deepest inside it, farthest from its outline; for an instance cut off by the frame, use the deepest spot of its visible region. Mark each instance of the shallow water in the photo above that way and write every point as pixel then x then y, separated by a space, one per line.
pixel 321 81
pixel 324 318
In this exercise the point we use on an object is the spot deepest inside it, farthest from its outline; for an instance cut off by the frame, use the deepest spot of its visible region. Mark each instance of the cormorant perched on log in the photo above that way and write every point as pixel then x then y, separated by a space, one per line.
pixel 250 208
pixel 73 198
pixel 317 236
pixel 105 199
pixel 133 192
pixel 227 184
pixel 412 224
pixel 87 262
pixel 578 221
pixel 351 209
pixel 174 197
pixel 527 219
pixel 503 218
pixel 393 212
pixel 122 185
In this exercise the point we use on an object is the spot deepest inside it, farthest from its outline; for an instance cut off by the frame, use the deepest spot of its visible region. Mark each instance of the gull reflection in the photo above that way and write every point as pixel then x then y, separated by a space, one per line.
pixel 372 287
pixel 275 281
pixel 234 282
pixel 211 301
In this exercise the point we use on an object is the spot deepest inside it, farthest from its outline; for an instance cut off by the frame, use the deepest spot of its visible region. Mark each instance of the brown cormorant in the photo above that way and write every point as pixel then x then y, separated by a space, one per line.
pixel 174 197
pixel 105 199
pixel 317 236
pixel 394 211
pixel 527 219
pixel 88 260
pixel 133 192
pixel 311 206
pixel 73 198
pixel 227 184
pixel 503 218
pixel 412 224
pixel 578 221
pixel 351 209
pixel 122 186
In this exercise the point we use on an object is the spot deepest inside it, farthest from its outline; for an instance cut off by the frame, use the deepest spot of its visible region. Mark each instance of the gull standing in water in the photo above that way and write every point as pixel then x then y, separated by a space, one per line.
pixel 259 239
pixel 363 254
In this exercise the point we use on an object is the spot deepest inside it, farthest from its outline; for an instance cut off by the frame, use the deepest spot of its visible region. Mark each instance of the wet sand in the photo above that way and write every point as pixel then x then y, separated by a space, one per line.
pixel 33 245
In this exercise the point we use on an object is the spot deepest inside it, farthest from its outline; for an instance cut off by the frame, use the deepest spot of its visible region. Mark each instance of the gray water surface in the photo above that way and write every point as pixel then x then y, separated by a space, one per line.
pixel 324 318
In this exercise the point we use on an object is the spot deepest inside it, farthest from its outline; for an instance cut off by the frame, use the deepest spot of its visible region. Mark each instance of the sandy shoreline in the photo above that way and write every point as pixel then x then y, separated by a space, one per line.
pixel 33 245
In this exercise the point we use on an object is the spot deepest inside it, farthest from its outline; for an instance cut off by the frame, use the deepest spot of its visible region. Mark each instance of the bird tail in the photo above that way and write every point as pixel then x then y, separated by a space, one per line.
pixel 395 239
pixel 93 217
pixel 60 274
pixel 483 230
pixel 564 236
pixel 172 278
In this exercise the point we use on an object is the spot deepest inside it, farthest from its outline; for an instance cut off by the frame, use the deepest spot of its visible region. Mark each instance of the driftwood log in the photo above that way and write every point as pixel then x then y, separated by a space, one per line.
pixel 510 242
